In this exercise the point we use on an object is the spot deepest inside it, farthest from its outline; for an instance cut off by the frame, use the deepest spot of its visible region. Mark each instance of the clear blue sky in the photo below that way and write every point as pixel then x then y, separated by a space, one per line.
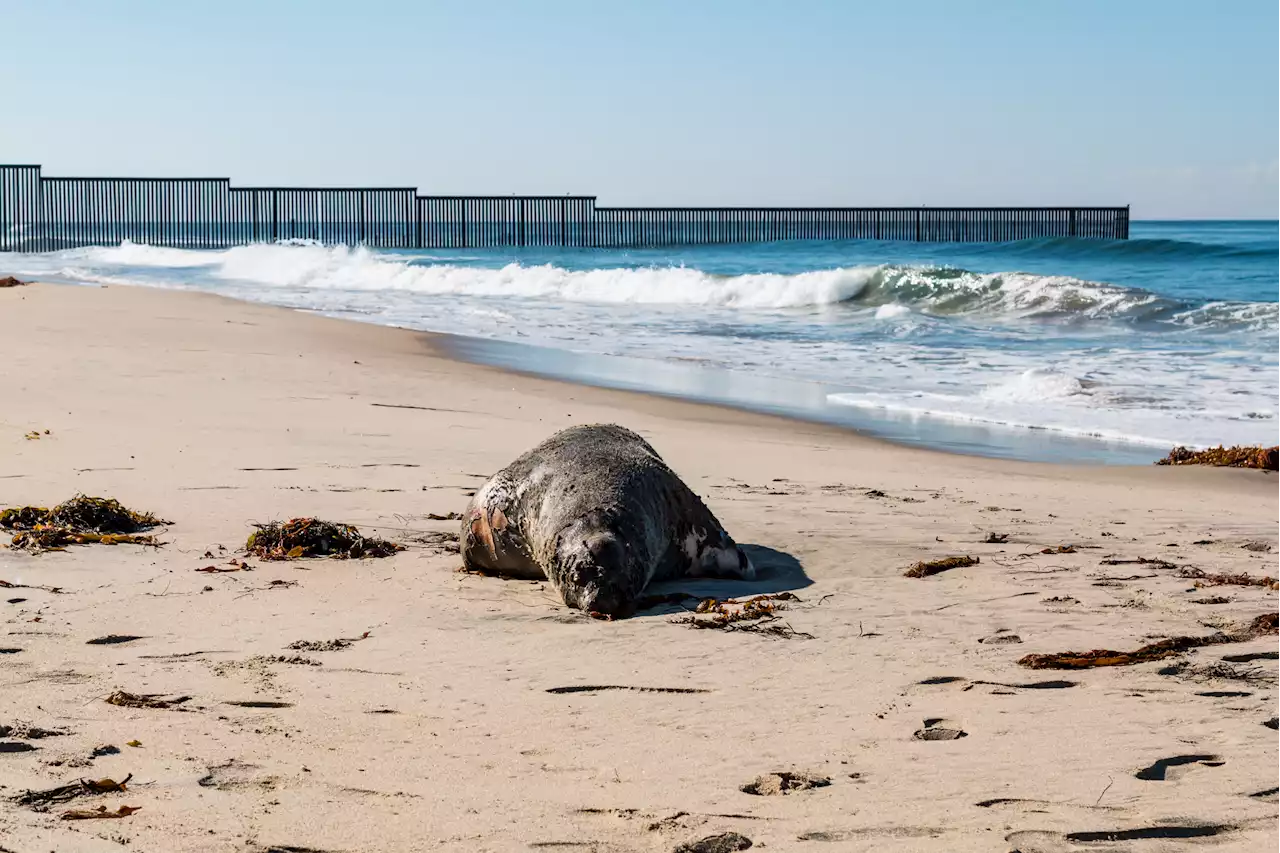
pixel 1168 105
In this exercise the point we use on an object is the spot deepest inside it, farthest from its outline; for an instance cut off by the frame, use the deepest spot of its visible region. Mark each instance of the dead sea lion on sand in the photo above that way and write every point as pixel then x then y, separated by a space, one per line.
pixel 596 511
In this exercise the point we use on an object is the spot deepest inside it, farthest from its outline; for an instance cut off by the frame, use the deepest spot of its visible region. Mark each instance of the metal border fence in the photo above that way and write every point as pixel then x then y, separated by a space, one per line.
pixel 40 214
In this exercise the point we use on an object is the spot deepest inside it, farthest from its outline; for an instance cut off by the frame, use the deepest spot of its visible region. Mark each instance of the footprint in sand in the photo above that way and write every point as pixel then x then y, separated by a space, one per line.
pixel 1001 638
pixel 937 728
pixel 725 842
pixel 237 775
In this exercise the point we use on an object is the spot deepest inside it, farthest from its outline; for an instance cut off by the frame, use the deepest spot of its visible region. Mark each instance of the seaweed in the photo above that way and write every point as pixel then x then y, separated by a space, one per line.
pixel 1108 657
pixel 311 537
pixel 1221 671
pixel 84 514
pixel 784 782
pixel 1260 626
pixel 1238 456
pixel 10 281
pixel 1203 579
pixel 1139 561
pixel 143 700
pixel 41 800
pixel 100 813
pixel 82 520
pixel 57 538
pixel 23 517
pixel 754 615
pixel 933 567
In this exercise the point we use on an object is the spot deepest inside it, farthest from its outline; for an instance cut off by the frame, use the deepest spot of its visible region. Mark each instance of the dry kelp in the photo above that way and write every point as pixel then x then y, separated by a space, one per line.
pixel 23 517
pixel 57 538
pixel 1107 657
pixel 41 800
pixel 1221 671
pixel 1262 625
pixel 754 615
pixel 933 567
pixel 82 520
pixel 10 281
pixel 1225 457
pixel 311 537
pixel 143 700
pixel 100 813
pixel 1203 579
pixel 784 782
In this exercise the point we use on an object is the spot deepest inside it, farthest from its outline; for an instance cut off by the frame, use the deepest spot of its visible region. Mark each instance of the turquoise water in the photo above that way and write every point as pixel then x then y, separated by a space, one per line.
pixel 1061 349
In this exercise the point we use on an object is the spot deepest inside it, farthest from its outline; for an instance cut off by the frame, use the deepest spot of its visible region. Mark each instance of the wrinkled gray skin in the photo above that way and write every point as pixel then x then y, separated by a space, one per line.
pixel 596 511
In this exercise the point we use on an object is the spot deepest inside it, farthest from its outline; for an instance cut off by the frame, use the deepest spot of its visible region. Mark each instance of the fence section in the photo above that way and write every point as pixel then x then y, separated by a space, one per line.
pixel 39 214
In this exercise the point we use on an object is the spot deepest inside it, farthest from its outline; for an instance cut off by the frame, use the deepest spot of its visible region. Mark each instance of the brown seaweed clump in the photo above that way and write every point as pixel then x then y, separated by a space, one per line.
pixel 82 520
pixel 10 281
pixel 1203 579
pixel 1107 657
pixel 1265 458
pixel 1260 626
pixel 311 537
pixel 933 567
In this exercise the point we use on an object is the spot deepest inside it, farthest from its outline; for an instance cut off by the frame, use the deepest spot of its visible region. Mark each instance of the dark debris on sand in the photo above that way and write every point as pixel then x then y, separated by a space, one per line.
pixel 82 520
pixel 41 800
pixel 1261 626
pixel 1203 579
pixel 725 842
pixel 784 782
pixel 312 537
pixel 754 615
pixel 933 567
pixel 1264 458
pixel 143 700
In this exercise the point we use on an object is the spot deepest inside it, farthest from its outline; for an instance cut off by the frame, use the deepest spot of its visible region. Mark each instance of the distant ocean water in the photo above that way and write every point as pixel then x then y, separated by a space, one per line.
pixel 1062 348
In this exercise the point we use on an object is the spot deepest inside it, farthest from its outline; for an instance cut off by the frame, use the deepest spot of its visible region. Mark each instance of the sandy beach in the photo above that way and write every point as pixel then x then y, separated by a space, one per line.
pixel 443 728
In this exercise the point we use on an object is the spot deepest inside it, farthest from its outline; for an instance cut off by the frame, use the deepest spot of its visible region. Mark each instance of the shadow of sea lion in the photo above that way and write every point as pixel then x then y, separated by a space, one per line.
pixel 776 571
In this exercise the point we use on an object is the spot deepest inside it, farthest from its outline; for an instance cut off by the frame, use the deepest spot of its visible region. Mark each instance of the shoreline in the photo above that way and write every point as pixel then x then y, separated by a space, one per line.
pixel 807 402
pixel 467 711
pixel 803 401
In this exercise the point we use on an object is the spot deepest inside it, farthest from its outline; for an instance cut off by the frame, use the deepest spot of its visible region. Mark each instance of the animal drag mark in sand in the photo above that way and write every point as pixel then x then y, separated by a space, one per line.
pixel 82 520
pixel 595 510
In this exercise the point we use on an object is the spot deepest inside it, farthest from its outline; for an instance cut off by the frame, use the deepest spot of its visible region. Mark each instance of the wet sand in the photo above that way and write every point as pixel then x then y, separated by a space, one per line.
pixel 446 728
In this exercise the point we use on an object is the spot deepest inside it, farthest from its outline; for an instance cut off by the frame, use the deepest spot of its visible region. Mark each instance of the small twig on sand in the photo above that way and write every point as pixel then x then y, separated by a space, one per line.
pixel 1110 781
pixel 57 590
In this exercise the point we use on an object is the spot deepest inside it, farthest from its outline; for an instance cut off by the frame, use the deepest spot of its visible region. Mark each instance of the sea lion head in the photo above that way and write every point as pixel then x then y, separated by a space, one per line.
pixel 595 570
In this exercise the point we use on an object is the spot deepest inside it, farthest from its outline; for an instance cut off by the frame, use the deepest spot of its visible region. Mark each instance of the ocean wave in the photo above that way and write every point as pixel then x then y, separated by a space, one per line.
pixel 1118 249
pixel 889 291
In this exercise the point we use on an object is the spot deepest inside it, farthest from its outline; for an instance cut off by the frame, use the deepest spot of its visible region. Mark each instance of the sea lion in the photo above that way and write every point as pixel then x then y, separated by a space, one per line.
pixel 596 511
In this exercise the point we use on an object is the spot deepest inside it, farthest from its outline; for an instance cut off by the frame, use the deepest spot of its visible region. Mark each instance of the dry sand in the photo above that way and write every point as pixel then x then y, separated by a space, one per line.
pixel 438 731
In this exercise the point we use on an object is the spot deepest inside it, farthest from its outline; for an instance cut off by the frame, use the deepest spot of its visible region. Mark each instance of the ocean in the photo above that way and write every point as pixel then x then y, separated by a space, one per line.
pixel 1060 349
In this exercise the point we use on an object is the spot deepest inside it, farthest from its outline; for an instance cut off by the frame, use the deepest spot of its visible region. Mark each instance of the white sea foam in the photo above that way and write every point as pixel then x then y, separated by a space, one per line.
pixel 891 290
pixel 918 342
pixel 888 312
pixel 1036 385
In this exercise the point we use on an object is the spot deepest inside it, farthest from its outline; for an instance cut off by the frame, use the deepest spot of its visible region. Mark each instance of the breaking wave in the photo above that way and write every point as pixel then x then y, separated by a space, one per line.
pixel 892 290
